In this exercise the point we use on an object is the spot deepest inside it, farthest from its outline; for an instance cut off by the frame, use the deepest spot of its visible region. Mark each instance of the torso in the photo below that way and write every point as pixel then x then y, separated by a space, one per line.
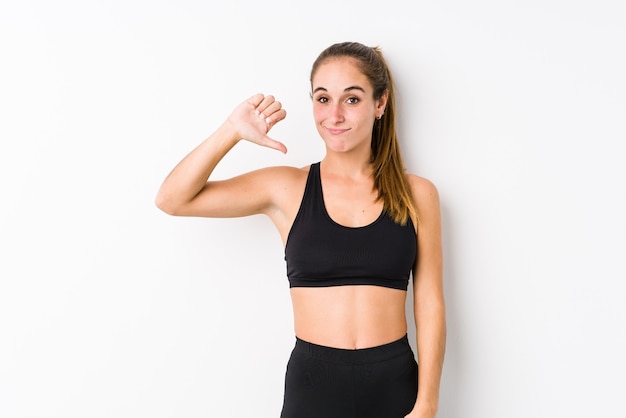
pixel 347 316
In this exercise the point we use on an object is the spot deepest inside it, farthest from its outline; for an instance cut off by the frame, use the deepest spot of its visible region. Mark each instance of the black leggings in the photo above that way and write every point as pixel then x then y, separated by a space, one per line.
pixel 325 382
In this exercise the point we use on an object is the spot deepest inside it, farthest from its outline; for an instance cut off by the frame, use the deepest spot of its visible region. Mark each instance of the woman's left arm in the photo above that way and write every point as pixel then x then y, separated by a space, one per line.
pixel 429 306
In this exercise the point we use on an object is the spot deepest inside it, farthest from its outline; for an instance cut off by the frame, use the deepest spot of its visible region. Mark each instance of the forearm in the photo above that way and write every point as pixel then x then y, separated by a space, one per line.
pixel 431 341
pixel 189 176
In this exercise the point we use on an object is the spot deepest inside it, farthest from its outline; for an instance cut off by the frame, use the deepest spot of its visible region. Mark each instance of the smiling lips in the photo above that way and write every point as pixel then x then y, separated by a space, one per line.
pixel 334 131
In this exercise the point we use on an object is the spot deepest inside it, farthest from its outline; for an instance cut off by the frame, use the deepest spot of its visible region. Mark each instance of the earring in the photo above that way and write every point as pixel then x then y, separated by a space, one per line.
pixel 380 117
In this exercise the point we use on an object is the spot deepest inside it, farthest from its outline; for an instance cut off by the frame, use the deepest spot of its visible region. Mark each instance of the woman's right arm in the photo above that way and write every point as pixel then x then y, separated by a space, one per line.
pixel 186 191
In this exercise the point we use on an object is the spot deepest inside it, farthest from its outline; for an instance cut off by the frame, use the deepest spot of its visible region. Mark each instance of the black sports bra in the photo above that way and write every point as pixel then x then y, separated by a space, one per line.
pixel 320 252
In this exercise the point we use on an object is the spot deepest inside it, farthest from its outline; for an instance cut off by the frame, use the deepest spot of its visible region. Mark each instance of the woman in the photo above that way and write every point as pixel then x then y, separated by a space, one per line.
pixel 354 226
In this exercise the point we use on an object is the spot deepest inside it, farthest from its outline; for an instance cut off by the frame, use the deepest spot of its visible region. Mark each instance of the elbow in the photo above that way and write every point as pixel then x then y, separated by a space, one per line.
pixel 166 205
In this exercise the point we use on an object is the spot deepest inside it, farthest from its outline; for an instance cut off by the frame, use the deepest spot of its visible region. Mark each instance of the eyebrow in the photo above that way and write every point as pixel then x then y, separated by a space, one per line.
pixel 347 89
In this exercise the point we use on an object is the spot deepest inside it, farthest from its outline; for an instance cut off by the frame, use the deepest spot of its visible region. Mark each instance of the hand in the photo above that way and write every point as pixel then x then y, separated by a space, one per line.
pixel 254 118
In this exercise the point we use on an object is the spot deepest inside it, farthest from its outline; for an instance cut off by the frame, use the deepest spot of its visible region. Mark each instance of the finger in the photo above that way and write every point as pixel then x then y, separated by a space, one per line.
pixel 271 109
pixel 275 117
pixel 256 100
pixel 265 103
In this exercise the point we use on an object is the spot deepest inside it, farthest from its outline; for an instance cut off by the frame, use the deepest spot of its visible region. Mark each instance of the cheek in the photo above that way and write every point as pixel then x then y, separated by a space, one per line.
pixel 365 118
pixel 319 113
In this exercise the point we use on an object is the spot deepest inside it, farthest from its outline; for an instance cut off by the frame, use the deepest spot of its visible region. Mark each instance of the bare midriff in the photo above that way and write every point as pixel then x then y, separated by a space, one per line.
pixel 349 317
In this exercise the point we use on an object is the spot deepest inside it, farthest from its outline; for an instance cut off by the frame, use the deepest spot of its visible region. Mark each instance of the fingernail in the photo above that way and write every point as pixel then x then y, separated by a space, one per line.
pixel 268 120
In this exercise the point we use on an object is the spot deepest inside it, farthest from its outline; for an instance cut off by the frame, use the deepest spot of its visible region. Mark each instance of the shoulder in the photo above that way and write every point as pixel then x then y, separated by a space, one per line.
pixel 280 175
pixel 423 190
pixel 426 199
pixel 285 187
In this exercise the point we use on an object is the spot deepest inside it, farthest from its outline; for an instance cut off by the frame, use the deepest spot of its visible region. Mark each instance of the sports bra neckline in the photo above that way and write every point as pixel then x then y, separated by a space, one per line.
pixel 330 218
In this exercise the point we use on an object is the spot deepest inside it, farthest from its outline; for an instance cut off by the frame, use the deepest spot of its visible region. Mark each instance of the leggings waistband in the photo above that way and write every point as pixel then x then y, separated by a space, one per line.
pixel 361 355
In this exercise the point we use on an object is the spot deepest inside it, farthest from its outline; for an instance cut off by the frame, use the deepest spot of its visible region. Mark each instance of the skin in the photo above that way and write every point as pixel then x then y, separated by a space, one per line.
pixel 352 317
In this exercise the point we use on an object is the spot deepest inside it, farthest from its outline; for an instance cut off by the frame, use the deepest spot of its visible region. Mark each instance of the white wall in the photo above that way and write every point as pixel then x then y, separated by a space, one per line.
pixel 110 308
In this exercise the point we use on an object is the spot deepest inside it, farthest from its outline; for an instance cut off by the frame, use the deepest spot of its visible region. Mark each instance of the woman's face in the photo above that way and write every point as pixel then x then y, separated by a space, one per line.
pixel 344 108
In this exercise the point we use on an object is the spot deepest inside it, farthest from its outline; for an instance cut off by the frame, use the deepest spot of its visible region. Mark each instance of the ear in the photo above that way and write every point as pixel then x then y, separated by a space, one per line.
pixel 382 103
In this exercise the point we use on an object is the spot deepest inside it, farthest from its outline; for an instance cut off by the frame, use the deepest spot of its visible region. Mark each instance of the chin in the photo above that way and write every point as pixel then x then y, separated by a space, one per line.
pixel 336 146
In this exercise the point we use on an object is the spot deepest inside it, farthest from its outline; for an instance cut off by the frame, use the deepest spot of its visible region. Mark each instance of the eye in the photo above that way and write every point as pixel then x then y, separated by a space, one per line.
pixel 353 100
pixel 322 99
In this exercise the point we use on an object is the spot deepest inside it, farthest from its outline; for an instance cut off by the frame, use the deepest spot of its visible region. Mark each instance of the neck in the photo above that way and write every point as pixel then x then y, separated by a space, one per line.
pixel 347 165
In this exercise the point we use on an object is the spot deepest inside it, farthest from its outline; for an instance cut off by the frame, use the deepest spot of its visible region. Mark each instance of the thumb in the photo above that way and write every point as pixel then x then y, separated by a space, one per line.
pixel 272 143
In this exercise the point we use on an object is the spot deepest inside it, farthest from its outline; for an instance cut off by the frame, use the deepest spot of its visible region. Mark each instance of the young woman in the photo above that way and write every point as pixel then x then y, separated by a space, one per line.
pixel 354 226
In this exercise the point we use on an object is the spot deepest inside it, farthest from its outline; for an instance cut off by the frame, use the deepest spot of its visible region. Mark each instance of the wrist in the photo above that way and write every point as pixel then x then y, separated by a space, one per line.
pixel 228 132
pixel 226 136
pixel 427 406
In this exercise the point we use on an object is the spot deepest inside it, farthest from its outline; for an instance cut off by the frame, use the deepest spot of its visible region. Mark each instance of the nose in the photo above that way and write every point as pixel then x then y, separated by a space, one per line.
pixel 336 113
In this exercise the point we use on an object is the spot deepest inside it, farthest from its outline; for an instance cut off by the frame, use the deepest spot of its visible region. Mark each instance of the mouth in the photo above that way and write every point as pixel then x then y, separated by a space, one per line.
pixel 335 131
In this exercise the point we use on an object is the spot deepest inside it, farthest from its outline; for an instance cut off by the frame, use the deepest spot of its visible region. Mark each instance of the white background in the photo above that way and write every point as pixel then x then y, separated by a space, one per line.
pixel 110 308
